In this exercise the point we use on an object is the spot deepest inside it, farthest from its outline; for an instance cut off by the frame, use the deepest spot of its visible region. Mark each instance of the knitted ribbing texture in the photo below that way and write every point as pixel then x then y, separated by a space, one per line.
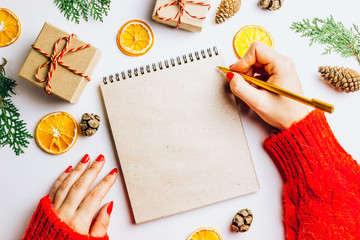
pixel 322 181
pixel 45 225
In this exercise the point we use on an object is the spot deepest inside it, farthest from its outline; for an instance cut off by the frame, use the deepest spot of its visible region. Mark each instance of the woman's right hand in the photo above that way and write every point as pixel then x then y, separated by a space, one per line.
pixel 279 111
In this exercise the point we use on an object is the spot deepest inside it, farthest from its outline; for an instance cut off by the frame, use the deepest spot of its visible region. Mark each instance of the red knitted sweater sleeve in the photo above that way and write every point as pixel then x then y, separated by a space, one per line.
pixel 45 225
pixel 322 181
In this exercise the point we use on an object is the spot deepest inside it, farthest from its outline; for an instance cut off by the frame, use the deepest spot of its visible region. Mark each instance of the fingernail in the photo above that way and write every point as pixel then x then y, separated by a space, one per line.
pixel 113 172
pixel 85 159
pixel 110 207
pixel 69 169
pixel 231 65
pixel 100 158
pixel 229 76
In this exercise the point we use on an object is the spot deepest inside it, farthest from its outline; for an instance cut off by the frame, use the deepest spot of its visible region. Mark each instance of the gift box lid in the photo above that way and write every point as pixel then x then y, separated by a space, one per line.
pixel 187 22
pixel 64 83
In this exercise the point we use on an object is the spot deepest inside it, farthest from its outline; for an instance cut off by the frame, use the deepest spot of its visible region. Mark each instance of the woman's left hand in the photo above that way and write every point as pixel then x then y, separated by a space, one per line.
pixel 75 206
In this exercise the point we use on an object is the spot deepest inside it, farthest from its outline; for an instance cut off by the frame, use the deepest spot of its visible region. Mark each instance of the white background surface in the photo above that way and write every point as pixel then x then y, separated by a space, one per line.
pixel 25 179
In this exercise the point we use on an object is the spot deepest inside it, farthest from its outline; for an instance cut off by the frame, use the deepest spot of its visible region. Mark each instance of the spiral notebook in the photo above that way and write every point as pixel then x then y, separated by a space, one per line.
pixel 178 135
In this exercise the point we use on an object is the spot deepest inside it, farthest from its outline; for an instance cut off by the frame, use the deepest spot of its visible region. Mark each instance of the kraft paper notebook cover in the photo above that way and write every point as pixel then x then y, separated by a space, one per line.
pixel 178 135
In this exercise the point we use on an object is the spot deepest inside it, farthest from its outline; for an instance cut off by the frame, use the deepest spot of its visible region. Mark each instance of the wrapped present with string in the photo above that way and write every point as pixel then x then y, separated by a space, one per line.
pixel 184 14
pixel 60 63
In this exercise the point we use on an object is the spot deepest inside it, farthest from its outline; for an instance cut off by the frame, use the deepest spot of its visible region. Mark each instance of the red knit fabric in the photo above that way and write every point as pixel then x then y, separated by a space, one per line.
pixel 322 181
pixel 46 225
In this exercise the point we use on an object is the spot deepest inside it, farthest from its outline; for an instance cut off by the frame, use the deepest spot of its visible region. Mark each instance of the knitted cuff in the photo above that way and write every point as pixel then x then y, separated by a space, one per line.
pixel 46 225
pixel 310 147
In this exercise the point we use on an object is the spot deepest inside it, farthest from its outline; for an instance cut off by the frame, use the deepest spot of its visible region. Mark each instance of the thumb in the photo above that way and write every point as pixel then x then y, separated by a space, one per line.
pixel 102 221
pixel 243 90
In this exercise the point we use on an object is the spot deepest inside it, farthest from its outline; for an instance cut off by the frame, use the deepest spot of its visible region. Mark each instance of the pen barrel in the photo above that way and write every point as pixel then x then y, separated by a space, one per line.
pixel 276 89
pixel 323 105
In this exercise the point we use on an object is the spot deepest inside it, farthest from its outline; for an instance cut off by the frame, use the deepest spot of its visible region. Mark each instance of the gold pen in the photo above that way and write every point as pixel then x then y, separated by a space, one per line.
pixel 310 102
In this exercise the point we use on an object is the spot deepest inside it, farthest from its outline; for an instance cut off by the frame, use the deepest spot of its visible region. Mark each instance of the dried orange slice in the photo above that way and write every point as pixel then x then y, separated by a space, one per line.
pixel 135 38
pixel 10 27
pixel 57 132
pixel 205 233
pixel 247 35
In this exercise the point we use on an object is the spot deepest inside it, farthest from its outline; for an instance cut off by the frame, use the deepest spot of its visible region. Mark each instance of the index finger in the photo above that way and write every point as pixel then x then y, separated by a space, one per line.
pixel 58 183
pixel 258 55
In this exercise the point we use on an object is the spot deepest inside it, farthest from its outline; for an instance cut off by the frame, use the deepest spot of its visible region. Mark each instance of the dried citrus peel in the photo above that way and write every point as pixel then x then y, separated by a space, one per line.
pixel 205 233
pixel 247 35
pixel 135 38
pixel 57 132
pixel 10 27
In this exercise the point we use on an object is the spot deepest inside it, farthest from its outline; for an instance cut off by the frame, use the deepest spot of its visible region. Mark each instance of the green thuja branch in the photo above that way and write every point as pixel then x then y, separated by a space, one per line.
pixel 84 9
pixel 74 9
pixel 332 34
pixel 98 8
pixel 13 131
pixel 68 8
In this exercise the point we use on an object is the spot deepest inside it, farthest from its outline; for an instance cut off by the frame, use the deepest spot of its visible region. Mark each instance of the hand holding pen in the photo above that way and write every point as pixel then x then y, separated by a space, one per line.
pixel 277 110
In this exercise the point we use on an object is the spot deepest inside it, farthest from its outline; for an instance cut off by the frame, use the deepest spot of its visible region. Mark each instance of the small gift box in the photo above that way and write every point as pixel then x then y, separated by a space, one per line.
pixel 185 14
pixel 60 63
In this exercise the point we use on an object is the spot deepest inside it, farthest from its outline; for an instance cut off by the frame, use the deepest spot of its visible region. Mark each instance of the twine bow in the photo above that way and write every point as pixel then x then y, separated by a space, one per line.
pixel 182 9
pixel 56 59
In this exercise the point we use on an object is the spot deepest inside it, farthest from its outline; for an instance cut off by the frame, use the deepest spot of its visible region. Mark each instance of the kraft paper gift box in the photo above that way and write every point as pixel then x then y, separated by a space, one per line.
pixel 165 14
pixel 64 83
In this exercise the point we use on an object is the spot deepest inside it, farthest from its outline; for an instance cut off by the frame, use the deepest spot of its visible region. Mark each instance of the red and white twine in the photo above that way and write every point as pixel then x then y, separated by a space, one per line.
pixel 56 59
pixel 182 9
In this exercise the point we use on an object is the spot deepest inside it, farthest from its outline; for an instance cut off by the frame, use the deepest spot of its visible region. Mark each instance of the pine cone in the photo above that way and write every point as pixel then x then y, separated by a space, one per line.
pixel 242 220
pixel 226 10
pixel 344 79
pixel 89 124
pixel 271 4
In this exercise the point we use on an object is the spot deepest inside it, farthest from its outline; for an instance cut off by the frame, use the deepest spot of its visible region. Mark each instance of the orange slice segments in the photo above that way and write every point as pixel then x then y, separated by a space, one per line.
pixel 247 35
pixel 57 132
pixel 10 27
pixel 205 233
pixel 135 38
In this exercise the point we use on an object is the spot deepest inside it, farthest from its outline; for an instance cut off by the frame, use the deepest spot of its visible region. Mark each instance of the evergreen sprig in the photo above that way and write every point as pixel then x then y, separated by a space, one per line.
pixel 13 131
pixel 334 35
pixel 74 9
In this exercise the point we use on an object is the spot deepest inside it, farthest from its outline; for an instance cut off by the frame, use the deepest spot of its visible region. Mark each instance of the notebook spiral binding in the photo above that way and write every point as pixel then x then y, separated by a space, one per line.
pixel 184 59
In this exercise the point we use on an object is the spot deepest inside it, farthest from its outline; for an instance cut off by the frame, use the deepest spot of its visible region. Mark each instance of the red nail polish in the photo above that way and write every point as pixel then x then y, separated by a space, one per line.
pixel 69 169
pixel 229 76
pixel 110 207
pixel 113 172
pixel 85 159
pixel 100 158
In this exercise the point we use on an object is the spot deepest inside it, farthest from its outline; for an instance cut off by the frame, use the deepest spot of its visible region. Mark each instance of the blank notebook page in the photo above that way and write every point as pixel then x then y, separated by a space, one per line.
pixel 178 136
